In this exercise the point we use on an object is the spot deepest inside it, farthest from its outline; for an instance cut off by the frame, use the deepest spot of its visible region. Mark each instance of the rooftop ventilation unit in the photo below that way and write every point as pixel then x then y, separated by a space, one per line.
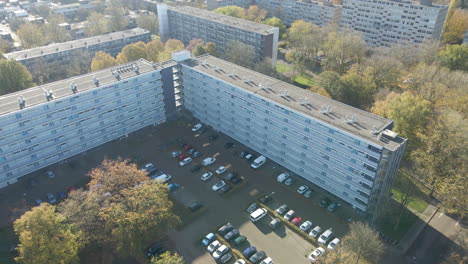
pixel 73 87
pixel 283 93
pixel 96 81
pixel 390 134
pixel 21 102
pixel 304 101
pixel 329 110
pixel 353 119
pixel 268 86
pixel 135 68
pixel 260 86
pixel 155 65
pixel 323 109
pixel 374 131
pixel 116 74
pixel 48 94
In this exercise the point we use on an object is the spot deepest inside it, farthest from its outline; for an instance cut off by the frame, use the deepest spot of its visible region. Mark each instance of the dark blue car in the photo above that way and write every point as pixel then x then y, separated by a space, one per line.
pixel 208 239
pixel 249 251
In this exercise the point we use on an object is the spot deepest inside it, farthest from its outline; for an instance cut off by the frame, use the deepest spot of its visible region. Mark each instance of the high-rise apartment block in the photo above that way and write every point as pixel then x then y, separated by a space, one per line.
pixel 186 23
pixel 348 152
pixel 56 57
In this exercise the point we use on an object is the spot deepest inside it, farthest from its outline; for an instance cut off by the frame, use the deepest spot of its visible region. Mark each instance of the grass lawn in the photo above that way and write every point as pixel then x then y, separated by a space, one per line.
pixel 417 203
pixel 405 224
pixel 420 199
pixel 282 67
pixel 304 79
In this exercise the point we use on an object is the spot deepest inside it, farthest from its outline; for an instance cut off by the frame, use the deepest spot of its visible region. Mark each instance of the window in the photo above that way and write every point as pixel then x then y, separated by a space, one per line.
pixel 306 129
pixel 330 140
pixel 18 115
pixel 347 186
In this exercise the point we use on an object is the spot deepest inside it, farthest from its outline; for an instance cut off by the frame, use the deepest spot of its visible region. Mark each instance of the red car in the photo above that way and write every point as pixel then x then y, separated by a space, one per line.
pixel 70 189
pixel 187 147
pixel 297 220
pixel 181 157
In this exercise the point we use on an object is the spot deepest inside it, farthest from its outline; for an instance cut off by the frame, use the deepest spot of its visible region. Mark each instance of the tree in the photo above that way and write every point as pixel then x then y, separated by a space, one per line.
pixel 30 36
pixel 266 67
pixel 168 258
pixel 130 53
pixel 383 72
pixel 198 50
pixel 356 91
pixel 254 13
pixel 142 215
pixel 276 22
pixel 117 12
pixel 54 32
pixel 363 242
pixel 45 237
pixel 455 26
pixel 337 256
pixel 80 63
pixel 240 53
pixel 331 82
pixel 148 22
pixel 101 61
pixel 193 44
pixel 455 57
pixel 42 10
pixel 173 45
pixel 98 24
pixel 153 49
pixel 233 11
pixel 13 77
pixel 210 48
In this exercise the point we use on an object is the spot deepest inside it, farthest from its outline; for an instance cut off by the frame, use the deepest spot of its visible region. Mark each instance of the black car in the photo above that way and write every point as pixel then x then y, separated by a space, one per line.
pixel 195 168
pixel 194 206
pixel 229 145
pixel 225 229
pixel 196 154
pixel 267 198
pixel 230 176
pixel 236 180
pixel 257 257
pixel 325 203
pixel 191 151
pixel 213 137
pixel 232 234
pixel 225 189
pixel 224 259
pixel 182 145
pixel 154 250
pixel 244 153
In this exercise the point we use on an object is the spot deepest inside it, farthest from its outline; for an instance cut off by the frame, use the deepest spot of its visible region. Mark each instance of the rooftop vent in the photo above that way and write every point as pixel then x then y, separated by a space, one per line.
pixel 329 110
pixel 136 69
pixel 155 65
pixel 96 81
pixel 304 101
pixel 323 109
pixel 73 87
pixel 390 134
pixel 116 74
pixel 48 94
pixel 56 49
pixel 283 93
pixel 374 131
pixel 21 102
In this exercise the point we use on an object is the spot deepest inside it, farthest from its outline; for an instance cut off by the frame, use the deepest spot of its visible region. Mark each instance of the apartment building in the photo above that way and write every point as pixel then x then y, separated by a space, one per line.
pixel 49 123
pixel 348 152
pixel 56 56
pixel 318 12
pixel 214 4
pixel 187 23
pixel 384 22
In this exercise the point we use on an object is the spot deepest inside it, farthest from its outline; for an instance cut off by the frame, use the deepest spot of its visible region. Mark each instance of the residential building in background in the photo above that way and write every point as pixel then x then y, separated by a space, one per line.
pixel 319 13
pixel 56 56
pixel 214 4
pixel 346 151
pixel 186 23
pixel 384 23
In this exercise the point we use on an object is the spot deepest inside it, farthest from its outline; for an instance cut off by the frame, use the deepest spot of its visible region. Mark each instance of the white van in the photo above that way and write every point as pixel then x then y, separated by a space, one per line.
pixel 325 236
pixel 258 162
pixel 258 214
pixel 282 177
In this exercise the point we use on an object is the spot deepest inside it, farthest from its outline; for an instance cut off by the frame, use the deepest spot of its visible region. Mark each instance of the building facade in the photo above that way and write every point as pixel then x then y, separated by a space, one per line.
pixel 46 124
pixel 348 152
pixel 186 23
pixel 56 56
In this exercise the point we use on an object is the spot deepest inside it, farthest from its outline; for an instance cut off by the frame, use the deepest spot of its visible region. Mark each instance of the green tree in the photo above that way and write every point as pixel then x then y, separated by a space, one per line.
pixel 455 26
pixel 148 22
pixel 98 24
pixel 356 90
pixel 53 32
pixel 254 13
pixel 240 53
pixel 153 49
pixel 173 45
pixel 211 49
pixel 80 63
pixel 233 11
pixel 363 242
pixel 168 258
pixel 194 43
pixel 30 36
pixel 455 57
pixel 131 52
pixel 276 22
pixel 13 77
pixel 142 215
pixel 266 67
pixel 117 12
pixel 101 61
pixel 331 82
pixel 383 72
pixel 198 50
pixel 45 237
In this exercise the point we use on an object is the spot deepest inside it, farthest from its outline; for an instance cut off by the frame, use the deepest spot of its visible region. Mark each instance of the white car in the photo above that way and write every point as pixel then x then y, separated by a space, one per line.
pixel 175 153
pixel 206 176
pixel 185 161
pixel 213 246
pixel 282 177
pixel 302 189
pixel 267 261
pixel 218 186
pixel 240 261
pixel 220 170
pixel 163 177
pixel 289 215
pixel 325 236
pixel 197 127
pixel 223 249
pixel 306 225
pixel 316 254
pixel 147 167
pixel 208 161
pixel 333 244
pixel 315 232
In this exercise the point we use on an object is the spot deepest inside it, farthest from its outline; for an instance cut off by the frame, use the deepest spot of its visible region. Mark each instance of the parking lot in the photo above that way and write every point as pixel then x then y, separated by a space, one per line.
pixel 155 145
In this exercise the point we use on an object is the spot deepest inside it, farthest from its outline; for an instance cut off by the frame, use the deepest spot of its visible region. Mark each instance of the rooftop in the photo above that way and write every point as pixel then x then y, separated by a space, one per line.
pixel 223 19
pixel 347 118
pixel 37 95
pixel 70 45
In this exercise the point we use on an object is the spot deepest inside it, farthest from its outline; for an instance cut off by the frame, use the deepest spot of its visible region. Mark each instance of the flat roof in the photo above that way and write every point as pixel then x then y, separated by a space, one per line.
pixel 298 99
pixel 223 19
pixel 71 45
pixel 36 95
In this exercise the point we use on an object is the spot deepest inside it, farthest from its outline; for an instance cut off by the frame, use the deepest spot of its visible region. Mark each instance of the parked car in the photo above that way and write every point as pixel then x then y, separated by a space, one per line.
pixel 267 198
pixel 243 153
pixel 196 127
pixel 229 145
pixel 181 157
pixel 258 214
pixel 38 202
pixel 232 234
pixel 258 162
pixel 333 207
pixel 230 176
pixel 257 257
pixel 62 195
pixel 303 189
pixel 154 250
pixel 236 180
pixel 325 236
pixel 51 198
pixel 224 259
pixel 194 206
pixel 252 208
pixel 195 168
pixel 297 220
pixel 225 229
pixel 306 225
pixel 163 178
pixel 213 246
pixel 282 209
pixel 248 252
pixel 315 232
pixel 220 170
pixel 173 186
pixel 325 202
pixel 225 189
pixel 316 254
pixel 223 249
pixel 289 215
pixel 308 193
pixel 187 147
pixel 208 161
pixel 185 161
pixel 149 168
pixel 50 174
pixel 240 240
pixel 274 223
pixel 176 153
pixel 249 157
pixel 290 181
pixel 196 154
pixel 282 177
pixel 206 176
pixel 267 261
pixel 213 137
pixel 191 151
pixel 334 243
pixel 240 261
pixel 218 186
pixel 70 189
pixel 208 239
